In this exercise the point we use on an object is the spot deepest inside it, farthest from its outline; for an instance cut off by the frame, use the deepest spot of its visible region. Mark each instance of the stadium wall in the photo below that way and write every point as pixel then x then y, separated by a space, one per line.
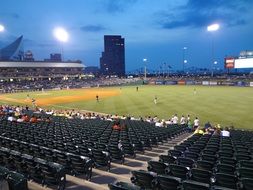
pixel 203 83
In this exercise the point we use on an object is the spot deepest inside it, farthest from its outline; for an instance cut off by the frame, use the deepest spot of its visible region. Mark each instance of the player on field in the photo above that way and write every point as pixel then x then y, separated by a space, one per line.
pixel 155 100
pixel 34 102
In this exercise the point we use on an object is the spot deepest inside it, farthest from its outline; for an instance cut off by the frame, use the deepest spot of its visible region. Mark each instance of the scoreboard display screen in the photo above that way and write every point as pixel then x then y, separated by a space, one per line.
pixel 238 63
pixel 229 62
pixel 243 63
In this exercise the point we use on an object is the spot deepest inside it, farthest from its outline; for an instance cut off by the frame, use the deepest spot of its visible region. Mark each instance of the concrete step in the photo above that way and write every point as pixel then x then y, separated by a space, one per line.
pixel 76 183
pixel 104 177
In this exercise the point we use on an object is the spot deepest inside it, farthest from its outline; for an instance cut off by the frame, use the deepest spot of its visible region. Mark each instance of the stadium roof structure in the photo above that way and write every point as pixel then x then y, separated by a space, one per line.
pixel 12 51
pixel 39 64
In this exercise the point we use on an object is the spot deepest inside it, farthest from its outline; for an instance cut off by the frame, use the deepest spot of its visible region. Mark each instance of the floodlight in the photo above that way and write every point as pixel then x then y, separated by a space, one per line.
pixel 213 27
pixel 1 28
pixel 61 34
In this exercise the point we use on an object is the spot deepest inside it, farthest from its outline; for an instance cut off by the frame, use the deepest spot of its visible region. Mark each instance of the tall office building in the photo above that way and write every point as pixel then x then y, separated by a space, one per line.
pixel 112 61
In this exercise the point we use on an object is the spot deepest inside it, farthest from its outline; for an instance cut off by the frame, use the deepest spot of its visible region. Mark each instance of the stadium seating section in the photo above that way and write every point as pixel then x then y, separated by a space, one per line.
pixel 202 162
pixel 45 152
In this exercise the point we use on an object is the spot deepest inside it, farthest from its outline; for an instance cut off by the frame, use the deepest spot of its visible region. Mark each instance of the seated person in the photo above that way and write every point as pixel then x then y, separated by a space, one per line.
pixel 116 126
pixel 225 132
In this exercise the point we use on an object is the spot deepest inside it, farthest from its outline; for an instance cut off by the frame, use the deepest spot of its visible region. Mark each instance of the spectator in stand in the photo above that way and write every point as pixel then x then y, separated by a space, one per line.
pixel 164 123
pixel 225 132
pixel 25 118
pixel 188 118
pixel 196 123
pixel 48 120
pixel 175 119
pixel 2 112
pixel 189 125
pixel 199 131
pixel 11 117
pixel 33 119
pixel 116 126
pixel 182 120
pixel 158 123
pixel 217 131
pixel 168 122
pixel 20 119
pixel 208 125
pixel 120 146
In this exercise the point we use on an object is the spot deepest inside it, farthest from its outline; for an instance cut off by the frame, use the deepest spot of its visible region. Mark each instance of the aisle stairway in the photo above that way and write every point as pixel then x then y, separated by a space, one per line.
pixel 119 172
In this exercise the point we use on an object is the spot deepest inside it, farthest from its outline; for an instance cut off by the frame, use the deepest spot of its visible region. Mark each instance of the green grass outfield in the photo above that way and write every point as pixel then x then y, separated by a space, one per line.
pixel 223 105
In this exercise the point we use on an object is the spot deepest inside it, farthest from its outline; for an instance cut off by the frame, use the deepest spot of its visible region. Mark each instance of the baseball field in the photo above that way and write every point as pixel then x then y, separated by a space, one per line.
pixel 224 105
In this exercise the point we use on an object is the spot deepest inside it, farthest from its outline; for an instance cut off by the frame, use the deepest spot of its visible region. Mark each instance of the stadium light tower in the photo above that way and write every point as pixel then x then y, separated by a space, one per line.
pixel 184 60
pixel 62 36
pixel 1 30
pixel 145 68
pixel 212 28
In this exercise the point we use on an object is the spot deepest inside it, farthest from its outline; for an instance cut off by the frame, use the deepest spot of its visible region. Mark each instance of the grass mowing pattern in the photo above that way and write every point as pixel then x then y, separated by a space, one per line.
pixel 224 105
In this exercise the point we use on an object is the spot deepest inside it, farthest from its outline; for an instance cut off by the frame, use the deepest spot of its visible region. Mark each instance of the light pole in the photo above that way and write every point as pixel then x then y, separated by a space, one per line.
pixel 184 60
pixel 212 28
pixel 145 68
pixel 1 30
pixel 61 35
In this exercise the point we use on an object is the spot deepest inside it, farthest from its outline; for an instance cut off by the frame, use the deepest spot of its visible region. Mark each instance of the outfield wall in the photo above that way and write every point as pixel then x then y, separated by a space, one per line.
pixel 204 83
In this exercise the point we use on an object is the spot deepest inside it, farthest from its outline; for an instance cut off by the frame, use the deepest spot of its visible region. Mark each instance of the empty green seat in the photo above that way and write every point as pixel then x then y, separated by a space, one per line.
pixel 200 175
pixel 17 181
pixel 194 185
pixel 247 184
pixel 166 182
pixel 123 186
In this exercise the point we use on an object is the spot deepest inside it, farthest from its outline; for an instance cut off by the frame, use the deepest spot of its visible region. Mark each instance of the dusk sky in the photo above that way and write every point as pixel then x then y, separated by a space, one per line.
pixel 153 29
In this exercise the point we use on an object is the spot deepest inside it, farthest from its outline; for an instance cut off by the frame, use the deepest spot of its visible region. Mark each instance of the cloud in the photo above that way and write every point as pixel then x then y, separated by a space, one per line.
pixel 93 28
pixel 117 6
pixel 199 13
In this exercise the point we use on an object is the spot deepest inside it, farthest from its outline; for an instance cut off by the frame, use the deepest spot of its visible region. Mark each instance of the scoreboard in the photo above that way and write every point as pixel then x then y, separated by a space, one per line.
pixel 238 63
pixel 229 62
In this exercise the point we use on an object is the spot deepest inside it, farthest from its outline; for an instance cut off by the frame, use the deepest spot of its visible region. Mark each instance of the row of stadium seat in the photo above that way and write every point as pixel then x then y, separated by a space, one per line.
pixel 202 162
pixel 12 180
pixel 45 152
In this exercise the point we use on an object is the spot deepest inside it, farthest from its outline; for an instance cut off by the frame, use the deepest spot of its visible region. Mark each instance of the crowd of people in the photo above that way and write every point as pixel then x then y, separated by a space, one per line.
pixel 57 82
pixel 20 114
pixel 12 86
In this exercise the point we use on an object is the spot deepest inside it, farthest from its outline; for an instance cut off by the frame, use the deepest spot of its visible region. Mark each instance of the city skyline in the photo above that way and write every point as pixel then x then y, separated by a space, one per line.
pixel 157 31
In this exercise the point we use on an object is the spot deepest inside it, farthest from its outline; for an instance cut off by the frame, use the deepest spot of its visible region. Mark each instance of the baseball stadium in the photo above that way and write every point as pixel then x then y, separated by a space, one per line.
pixel 63 127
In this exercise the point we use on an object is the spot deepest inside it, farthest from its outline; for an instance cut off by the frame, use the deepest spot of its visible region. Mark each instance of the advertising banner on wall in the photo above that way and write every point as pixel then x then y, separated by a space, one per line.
pixel 251 84
pixel 181 82
pixel 205 83
pixel 151 83
pixel 170 82
pixel 228 83
pixel 213 83
pixel 241 83
pixel 159 82
pixel 190 82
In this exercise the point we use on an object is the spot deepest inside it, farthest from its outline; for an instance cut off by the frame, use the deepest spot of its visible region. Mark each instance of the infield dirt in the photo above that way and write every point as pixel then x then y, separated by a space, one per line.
pixel 82 95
